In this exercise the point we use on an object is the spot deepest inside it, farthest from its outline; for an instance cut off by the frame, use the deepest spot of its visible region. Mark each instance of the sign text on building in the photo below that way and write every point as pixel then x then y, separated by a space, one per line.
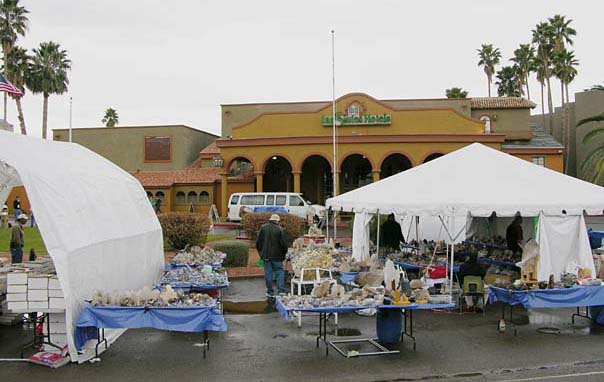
pixel 367 120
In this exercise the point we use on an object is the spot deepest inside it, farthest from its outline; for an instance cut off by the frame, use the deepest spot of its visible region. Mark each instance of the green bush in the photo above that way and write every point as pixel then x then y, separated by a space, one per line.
pixel 237 252
pixel 292 225
pixel 183 228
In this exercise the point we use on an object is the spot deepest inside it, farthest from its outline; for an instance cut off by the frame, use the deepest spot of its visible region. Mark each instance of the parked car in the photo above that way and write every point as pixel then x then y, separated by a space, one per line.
pixel 289 202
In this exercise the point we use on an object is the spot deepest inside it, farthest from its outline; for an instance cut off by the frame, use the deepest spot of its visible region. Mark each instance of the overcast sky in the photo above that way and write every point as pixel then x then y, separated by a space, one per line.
pixel 175 62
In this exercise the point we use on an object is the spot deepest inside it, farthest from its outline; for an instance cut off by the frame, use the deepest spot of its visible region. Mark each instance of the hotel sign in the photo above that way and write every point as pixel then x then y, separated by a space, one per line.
pixel 358 120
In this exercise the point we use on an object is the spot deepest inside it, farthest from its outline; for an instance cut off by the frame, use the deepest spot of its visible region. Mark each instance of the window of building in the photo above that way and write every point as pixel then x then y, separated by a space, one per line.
pixel 295 201
pixel 540 161
pixel 160 195
pixel 234 199
pixel 270 200
pixel 149 194
pixel 204 197
pixel 158 149
pixel 252 200
pixel 280 200
pixel 180 198
pixel 192 197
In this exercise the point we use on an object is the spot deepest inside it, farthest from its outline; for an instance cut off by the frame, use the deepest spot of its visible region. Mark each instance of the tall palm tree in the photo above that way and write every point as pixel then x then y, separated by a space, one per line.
pixel 111 118
pixel 593 164
pixel 508 82
pixel 524 59
pixel 540 71
pixel 543 37
pixel 456 93
pixel 565 70
pixel 488 58
pixel 17 69
pixel 562 32
pixel 13 23
pixel 48 74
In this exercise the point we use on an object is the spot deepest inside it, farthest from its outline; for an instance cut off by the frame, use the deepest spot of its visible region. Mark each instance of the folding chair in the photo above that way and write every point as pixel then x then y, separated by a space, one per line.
pixel 316 278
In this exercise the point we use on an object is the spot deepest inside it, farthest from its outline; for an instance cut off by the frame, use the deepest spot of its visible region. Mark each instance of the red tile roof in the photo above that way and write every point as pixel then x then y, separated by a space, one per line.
pixel 210 151
pixel 501 103
pixel 164 179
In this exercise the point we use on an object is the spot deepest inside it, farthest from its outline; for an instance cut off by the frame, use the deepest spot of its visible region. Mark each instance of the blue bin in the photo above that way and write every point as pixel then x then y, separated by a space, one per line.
pixel 389 325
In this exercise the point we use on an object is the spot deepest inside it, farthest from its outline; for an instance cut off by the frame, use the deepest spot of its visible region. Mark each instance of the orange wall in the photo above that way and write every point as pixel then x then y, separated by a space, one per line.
pixel 552 161
pixel 18 191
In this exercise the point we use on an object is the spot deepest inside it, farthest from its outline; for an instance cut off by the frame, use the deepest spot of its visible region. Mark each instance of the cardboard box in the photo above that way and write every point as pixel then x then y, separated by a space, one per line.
pixel 34 305
pixel 17 305
pixel 37 295
pixel 56 317
pixel 16 297
pixel 56 303
pixel 53 283
pixel 55 293
pixel 16 288
pixel 19 278
pixel 37 282
pixel 56 328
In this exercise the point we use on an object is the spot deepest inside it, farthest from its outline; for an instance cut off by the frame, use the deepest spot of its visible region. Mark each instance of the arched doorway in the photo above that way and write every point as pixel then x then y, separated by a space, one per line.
pixel 316 179
pixel 278 175
pixel 241 168
pixel 432 157
pixel 393 164
pixel 355 173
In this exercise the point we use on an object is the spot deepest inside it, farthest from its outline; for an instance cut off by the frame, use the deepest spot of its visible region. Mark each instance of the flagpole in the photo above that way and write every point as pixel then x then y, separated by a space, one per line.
pixel 70 116
pixel 333 121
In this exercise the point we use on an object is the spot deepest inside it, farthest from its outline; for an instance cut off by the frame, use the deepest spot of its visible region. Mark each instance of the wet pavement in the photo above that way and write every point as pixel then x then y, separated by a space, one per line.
pixel 264 347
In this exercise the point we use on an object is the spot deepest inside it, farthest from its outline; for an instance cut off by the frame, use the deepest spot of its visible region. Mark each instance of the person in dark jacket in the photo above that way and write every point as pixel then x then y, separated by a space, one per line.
pixel 514 235
pixel 391 235
pixel 470 268
pixel 272 248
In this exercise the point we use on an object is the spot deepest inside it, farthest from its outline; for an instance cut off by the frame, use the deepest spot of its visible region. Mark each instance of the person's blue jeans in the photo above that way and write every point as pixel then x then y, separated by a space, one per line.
pixel 17 213
pixel 274 267
pixel 16 254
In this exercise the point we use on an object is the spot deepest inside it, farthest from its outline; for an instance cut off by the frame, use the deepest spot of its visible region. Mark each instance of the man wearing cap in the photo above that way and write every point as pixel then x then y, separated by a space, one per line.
pixel 16 239
pixel 272 248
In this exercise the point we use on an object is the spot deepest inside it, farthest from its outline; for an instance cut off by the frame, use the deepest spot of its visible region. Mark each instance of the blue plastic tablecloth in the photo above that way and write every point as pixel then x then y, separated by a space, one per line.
pixel 417 267
pixel 550 298
pixel 169 266
pixel 178 319
pixel 196 287
pixel 347 277
pixel 285 311
pixel 484 260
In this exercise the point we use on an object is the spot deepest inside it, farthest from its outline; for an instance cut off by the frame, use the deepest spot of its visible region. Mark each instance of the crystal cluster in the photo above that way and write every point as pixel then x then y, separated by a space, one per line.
pixel 312 256
pixel 199 256
pixel 151 297
pixel 194 276
pixel 337 297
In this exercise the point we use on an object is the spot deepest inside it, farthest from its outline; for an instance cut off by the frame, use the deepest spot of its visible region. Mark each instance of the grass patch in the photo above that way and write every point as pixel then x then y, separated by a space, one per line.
pixel 219 237
pixel 32 240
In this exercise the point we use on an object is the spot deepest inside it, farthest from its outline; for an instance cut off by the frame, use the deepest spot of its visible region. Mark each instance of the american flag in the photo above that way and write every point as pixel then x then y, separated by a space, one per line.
pixel 6 86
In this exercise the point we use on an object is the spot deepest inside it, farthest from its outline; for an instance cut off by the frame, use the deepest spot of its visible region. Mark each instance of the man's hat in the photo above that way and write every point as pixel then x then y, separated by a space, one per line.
pixel 22 216
pixel 275 218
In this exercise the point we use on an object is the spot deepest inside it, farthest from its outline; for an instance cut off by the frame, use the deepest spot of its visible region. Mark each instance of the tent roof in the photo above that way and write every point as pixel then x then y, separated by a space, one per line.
pixel 95 219
pixel 478 180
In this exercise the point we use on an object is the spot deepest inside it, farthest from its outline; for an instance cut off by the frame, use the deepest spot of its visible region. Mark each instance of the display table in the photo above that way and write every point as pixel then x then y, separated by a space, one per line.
pixel 484 260
pixel 178 319
pixel 347 277
pixel 174 266
pixel 576 297
pixel 413 267
pixel 326 312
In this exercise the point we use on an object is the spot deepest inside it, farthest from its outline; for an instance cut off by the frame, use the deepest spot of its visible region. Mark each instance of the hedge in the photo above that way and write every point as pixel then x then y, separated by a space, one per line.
pixel 292 225
pixel 183 228
pixel 237 252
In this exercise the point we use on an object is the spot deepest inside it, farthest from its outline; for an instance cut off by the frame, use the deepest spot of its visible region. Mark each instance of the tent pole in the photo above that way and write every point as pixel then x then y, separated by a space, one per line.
pixel 452 223
pixel 378 233
pixel 327 224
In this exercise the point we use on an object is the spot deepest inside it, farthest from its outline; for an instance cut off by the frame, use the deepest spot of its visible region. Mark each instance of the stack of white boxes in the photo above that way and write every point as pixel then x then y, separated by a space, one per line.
pixel 30 292
pixel 58 329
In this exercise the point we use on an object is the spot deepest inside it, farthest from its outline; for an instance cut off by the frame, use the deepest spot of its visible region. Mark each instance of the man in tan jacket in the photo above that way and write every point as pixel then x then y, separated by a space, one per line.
pixel 17 239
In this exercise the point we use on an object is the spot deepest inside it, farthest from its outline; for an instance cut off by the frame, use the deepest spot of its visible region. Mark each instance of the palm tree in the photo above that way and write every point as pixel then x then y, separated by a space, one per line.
pixel 508 82
pixel 562 32
pixel 540 71
pixel 456 93
pixel 48 75
pixel 13 23
pixel 543 37
pixel 595 159
pixel 17 67
pixel 566 71
pixel 489 57
pixel 111 118
pixel 524 59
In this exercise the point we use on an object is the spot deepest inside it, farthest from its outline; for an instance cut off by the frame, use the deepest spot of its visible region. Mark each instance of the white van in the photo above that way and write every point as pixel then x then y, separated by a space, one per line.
pixel 292 202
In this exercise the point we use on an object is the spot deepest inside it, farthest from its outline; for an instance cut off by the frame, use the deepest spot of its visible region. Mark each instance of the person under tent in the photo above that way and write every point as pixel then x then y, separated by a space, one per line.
pixel 471 268
pixel 391 235
pixel 514 235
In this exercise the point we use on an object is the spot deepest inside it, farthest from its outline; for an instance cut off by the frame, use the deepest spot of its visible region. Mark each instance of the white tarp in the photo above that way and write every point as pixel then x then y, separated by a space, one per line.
pixel 360 236
pixel 563 246
pixel 95 218
pixel 429 228
pixel 479 180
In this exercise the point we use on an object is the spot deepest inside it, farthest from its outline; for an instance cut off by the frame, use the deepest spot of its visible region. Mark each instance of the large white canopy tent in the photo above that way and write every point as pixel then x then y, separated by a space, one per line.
pixel 95 218
pixel 477 181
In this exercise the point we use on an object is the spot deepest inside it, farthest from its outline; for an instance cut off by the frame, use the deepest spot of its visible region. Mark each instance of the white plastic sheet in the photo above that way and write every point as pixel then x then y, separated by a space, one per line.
pixel 563 246
pixel 95 218
pixel 360 236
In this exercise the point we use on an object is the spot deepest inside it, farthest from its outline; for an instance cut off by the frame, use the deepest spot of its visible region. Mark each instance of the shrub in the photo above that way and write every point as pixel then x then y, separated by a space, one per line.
pixel 237 252
pixel 292 225
pixel 183 228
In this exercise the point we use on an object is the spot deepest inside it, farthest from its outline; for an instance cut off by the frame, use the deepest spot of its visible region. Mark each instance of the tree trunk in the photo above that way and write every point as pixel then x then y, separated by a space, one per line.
pixel 528 93
pixel 568 129
pixel 542 106
pixel 489 85
pixel 550 106
pixel 567 97
pixel 21 117
pixel 44 116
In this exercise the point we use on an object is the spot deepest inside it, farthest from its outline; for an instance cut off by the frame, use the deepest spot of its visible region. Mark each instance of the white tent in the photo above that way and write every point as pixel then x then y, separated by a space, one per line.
pixel 95 218
pixel 477 181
